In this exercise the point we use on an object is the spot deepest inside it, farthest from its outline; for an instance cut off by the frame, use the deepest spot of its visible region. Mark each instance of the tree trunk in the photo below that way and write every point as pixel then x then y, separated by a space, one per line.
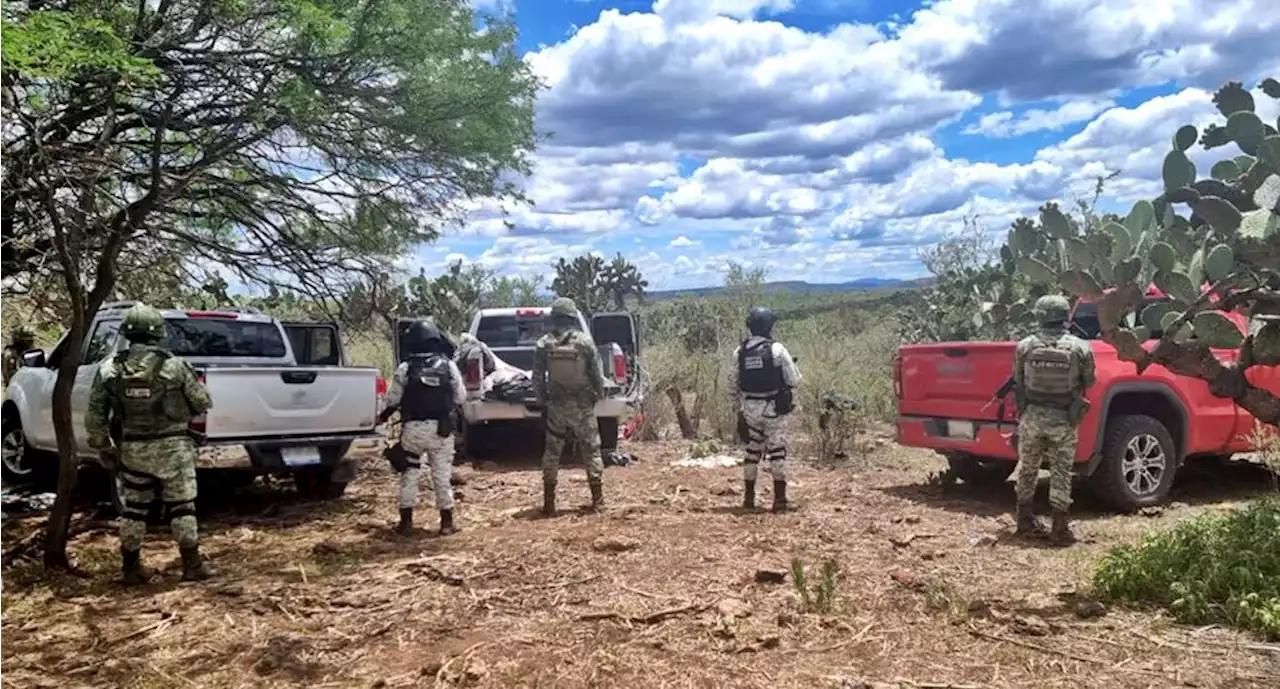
pixel 682 417
pixel 57 529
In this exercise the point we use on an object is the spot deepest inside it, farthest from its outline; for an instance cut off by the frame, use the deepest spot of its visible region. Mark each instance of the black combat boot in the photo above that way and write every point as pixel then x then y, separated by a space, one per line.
pixel 446 523
pixel 749 495
pixel 134 573
pixel 549 499
pixel 193 566
pixel 405 528
pixel 1061 534
pixel 780 496
pixel 597 495
pixel 1028 525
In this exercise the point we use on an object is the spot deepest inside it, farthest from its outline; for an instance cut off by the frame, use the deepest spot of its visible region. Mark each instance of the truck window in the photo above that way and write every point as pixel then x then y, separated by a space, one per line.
pixel 1087 325
pixel 102 343
pixel 314 345
pixel 208 337
pixel 513 331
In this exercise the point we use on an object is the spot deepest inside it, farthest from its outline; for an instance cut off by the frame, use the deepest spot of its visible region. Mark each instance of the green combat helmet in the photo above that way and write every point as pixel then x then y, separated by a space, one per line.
pixel 1052 309
pixel 563 307
pixel 142 324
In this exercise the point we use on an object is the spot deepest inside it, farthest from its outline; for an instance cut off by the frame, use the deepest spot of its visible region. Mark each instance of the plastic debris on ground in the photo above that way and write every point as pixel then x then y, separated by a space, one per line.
pixel 619 459
pixel 708 462
pixel 17 503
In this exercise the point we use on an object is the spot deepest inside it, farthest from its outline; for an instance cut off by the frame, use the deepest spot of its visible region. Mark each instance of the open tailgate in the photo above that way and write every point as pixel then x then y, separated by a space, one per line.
pixel 271 401
pixel 954 380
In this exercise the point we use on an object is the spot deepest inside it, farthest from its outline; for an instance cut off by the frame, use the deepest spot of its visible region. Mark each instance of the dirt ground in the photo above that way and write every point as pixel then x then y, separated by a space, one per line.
pixel 671 586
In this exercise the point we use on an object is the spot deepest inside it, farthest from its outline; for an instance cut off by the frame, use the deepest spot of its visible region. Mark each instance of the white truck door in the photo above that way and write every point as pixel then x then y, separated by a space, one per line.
pixel 103 341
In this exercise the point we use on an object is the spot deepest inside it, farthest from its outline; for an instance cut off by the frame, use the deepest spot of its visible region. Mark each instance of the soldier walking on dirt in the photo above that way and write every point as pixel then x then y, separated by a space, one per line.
pixel 20 343
pixel 149 395
pixel 762 379
pixel 568 382
pixel 1052 369
pixel 427 390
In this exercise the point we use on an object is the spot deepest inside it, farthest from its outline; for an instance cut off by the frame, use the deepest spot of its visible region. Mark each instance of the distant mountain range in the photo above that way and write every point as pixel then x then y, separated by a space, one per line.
pixel 859 285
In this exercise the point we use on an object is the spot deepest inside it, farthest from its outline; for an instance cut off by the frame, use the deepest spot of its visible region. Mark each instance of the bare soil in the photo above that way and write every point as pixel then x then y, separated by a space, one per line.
pixel 672 586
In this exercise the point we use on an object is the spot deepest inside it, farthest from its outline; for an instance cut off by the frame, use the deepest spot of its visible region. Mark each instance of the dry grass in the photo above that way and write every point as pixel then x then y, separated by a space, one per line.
pixel 658 591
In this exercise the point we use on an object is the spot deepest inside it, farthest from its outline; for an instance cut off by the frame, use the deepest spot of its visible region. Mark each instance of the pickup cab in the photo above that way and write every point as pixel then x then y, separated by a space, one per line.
pixel 1137 433
pixel 511 334
pixel 284 400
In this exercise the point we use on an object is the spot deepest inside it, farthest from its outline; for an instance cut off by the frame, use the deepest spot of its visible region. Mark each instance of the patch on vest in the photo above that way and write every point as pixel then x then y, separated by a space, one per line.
pixel 562 354
pixel 1049 365
pixel 752 363
pixel 138 393
pixel 431 380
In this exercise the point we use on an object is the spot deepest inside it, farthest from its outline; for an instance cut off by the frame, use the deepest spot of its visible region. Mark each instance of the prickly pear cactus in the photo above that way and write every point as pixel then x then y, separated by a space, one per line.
pixel 1210 244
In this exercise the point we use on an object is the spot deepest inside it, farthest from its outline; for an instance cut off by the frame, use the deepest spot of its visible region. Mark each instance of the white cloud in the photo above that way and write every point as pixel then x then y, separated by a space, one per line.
pixel 1003 125
pixel 683 241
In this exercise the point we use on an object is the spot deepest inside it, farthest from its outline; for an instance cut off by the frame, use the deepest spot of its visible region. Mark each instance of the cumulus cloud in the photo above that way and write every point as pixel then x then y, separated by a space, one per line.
pixel 1002 125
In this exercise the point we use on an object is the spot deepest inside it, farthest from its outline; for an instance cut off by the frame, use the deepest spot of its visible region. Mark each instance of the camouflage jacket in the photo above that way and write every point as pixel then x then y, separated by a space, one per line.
pixel 176 372
pixel 1084 361
pixel 542 387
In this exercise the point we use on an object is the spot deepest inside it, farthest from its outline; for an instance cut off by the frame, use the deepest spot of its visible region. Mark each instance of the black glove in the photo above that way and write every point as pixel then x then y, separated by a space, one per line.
pixel 744 431
pixel 784 403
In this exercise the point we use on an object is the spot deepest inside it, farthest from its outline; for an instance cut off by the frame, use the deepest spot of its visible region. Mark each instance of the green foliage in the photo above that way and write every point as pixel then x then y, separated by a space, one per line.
pixel 1208 569
pixel 821 596
pixel 597 286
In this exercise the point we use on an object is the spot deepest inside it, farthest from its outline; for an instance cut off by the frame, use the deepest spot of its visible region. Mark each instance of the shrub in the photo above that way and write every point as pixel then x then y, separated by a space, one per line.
pixel 1211 568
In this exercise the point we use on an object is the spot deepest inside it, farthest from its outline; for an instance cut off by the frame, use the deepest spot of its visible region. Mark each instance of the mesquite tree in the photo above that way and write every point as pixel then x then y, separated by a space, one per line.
pixel 1222 256
pixel 292 142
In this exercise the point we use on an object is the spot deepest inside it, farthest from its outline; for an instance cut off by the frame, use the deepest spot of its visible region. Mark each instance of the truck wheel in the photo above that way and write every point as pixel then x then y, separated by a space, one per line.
pixel 318 483
pixel 474 442
pixel 21 464
pixel 608 426
pixel 1139 459
pixel 981 471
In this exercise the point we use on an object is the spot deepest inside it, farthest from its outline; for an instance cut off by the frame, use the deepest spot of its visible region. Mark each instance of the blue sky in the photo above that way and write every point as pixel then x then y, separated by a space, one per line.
pixel 828 140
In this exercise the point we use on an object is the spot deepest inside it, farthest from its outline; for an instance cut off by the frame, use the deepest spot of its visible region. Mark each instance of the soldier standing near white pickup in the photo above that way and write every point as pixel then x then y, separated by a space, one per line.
pixel 761 379
pixel 427 390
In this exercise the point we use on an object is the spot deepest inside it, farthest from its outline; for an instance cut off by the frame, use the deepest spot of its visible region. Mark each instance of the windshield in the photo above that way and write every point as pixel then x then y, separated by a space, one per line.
pixel 210 337
pixel 1085 322
pixel 513 331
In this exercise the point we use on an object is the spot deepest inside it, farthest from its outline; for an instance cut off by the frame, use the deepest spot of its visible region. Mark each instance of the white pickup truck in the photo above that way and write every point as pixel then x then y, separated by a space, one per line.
pixel 284 400
pixel 511 334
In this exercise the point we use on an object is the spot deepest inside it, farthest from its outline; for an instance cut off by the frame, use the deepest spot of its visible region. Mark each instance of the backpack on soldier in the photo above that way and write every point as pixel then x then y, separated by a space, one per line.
pixel 1050 372
pixel 145 401
pixel 566 364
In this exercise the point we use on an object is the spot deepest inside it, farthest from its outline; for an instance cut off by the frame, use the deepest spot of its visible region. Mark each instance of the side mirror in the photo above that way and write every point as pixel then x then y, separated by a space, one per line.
pixel 33 358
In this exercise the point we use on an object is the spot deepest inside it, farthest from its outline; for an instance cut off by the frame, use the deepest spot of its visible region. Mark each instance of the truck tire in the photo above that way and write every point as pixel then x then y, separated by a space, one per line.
pixel 474 442
pixel 608 427
pixel 318 483
pixel 981 471
pixel 23 465
pixel 1139 459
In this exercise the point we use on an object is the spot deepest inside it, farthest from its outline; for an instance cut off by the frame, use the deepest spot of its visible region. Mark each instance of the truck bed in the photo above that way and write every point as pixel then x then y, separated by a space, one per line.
pixel 253 402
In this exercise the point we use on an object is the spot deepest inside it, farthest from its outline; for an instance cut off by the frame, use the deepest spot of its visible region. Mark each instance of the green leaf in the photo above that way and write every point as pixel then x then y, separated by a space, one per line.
pixel 1267 195
pixel 1141 333
pixel 1177 285
pixel 1017 310
pixel 1163 256
pixel 1269 152
pixel 1195 270
pixel 1244 162
pixel 1128 271
pixel 1246 130
pixel 1081 284
pixel 979 320
pixel 1055 223
pixel 1260 224
pixel 1185 137
pixel 1153 315
pixel 1037 271
pixel 1178 171
pixel 1223 217
pixel 1216 330
pixel 1141 218
pixel 1225 171
pixel 1121 241
pixel 1079 252
pixel 1024 239
pixel 1168 319
pixel 1220 262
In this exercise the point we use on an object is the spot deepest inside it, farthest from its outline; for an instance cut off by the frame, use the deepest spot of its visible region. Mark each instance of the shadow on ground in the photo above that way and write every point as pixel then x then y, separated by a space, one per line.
pixel 1199 482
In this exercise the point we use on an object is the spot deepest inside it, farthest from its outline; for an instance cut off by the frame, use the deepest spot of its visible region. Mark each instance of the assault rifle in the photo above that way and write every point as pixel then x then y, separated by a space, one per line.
pixel 1001 396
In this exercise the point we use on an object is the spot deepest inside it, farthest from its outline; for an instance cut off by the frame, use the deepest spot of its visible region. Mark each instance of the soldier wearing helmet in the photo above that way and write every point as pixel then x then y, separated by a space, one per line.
pixel 150 395
pixel 568 381
pixel 762 379
pixel 427 390
pixel 20 342
pixel 1052 370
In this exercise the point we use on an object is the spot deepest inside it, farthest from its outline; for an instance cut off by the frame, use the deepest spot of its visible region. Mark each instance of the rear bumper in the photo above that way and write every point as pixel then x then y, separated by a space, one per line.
pixel 485 411
pixel 988 441
pixel 265 456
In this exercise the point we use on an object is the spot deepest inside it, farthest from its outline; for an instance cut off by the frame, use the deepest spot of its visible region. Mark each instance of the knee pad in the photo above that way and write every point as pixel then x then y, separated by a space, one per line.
pixel 185 508
pixel 777 454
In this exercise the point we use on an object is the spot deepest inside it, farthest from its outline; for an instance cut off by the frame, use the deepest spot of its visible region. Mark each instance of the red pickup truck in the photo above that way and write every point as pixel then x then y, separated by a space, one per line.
pixel 1132 441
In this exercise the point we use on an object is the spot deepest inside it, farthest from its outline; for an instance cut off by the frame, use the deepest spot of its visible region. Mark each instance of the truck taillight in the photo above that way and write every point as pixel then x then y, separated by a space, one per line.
pixel 897 376
pixel 619 365
pixel 381 386
pixel 473 373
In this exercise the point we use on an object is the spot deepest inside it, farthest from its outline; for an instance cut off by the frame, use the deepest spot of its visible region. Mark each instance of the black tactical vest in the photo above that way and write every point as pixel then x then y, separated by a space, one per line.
pixel 428 393
pixel 759 376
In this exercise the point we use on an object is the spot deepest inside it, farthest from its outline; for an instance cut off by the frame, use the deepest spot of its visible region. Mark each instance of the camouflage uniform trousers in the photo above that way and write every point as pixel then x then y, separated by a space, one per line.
pixel 420 438
pixel 1046 437
pixel 766 440
pixel 572 420
pixel 164 469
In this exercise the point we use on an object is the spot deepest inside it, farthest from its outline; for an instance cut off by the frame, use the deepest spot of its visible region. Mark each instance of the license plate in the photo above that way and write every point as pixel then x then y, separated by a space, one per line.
pixel 960 429
pixel 300 456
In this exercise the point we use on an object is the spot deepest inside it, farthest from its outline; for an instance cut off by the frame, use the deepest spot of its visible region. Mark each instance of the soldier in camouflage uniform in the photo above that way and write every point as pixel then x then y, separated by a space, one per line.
pixel 568 382
pixel 762 379
pixel 1052 370
pixel 20 343
pixel 426 390
pixel 151 395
